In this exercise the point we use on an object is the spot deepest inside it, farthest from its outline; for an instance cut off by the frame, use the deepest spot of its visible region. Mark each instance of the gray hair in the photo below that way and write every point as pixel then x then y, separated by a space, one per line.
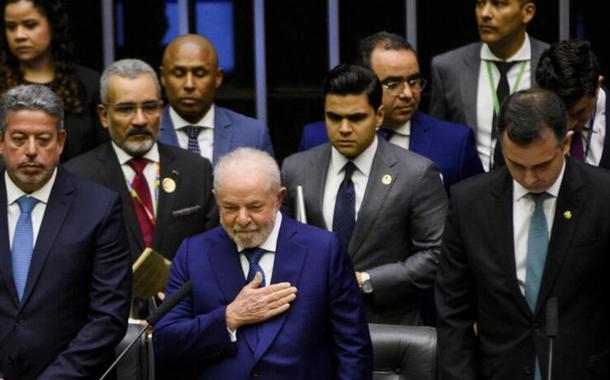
pixel 126 68
pixel 245 156
pixel 31 97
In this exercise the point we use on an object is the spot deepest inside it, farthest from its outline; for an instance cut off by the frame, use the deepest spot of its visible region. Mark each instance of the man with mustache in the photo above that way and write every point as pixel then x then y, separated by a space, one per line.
pixel 245 317
pixel 191 74
pixel 470 82
pixel 166 191
pixel 65 277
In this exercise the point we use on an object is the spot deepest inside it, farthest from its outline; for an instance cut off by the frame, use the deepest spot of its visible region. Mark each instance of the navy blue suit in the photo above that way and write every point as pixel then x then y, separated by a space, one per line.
pixel 450 146
pixel 323 335
pixel 231 131
pixel 76 301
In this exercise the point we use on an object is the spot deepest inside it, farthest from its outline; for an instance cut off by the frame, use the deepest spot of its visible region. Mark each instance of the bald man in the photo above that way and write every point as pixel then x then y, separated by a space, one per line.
pixel 190 75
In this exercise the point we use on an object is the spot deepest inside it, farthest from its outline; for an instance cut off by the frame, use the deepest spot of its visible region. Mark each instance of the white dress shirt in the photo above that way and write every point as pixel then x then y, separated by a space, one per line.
pixel 13 193
pixel 150 171
pixel 401 136
pixel 523 209
pixel 335 175
pixel 485 105
pixel 598 136
pixel 206 136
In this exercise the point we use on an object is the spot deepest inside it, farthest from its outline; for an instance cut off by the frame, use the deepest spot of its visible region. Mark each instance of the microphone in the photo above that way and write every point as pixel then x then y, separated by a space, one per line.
pixel 153 319
pixel 551 328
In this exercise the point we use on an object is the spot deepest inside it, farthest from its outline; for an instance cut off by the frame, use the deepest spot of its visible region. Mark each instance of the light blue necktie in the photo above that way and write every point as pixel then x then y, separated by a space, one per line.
pixel 23 243
pixel 537 245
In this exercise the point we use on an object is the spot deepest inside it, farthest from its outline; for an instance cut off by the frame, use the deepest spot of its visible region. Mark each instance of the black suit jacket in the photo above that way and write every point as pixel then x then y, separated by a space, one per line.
pixel 477 282
pixel 397 234
pixel 76 301
pixel 188 210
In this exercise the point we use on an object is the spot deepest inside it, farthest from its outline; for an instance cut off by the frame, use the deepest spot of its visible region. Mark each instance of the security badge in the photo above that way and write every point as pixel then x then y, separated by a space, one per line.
pixel 169 185
pixel 386 179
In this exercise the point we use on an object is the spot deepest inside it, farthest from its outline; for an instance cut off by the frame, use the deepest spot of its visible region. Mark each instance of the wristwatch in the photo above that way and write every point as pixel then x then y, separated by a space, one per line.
pixel 367 285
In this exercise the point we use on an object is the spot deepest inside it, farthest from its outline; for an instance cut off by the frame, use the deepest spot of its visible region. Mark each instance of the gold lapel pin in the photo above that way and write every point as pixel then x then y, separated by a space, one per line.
pixel 567 215
pixel 169 185
pixel 386 179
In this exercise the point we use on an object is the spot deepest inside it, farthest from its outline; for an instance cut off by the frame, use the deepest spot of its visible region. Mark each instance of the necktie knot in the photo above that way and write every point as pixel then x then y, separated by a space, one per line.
pixel 26 204
pixel 539 198
pixel 503 67
pixel 193 131
pixel 138 164
pixel 349 170
pixel 254 255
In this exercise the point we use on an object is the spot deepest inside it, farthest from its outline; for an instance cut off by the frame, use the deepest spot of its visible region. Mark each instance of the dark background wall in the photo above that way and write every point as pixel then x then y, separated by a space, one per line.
pixel 296 43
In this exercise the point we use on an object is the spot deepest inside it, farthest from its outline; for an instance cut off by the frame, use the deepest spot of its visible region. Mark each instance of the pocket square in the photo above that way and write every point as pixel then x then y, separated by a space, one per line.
pixel 186 211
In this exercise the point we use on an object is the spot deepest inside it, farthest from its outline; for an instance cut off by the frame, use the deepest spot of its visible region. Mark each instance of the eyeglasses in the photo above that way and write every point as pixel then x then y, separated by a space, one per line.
pixel 397 87
pixel 151 108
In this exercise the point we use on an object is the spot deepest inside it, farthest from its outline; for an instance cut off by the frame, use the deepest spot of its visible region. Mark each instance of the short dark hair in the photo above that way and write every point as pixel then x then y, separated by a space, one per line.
pixel 525 113
pixel 384 40
pixel 354 80
pixel 570 69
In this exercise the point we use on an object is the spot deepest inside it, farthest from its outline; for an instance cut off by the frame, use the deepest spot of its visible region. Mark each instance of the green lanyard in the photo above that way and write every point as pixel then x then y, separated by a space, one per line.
pixel 491 83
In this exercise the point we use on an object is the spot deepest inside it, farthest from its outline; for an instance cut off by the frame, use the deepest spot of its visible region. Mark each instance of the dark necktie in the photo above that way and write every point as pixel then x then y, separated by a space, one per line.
pixel 576 148
pixel 142 202
pixel 502 91
pixel 385 133
pixel 193 132
pixel 23 244
pixel 344 217
pixel 254 255
pixel 537 244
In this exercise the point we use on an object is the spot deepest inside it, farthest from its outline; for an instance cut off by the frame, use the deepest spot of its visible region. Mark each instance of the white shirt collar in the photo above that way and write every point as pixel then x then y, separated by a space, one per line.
pixel 523 54
pixel 270 245
pixel 520 191
pixel 123 157
pixel 206 121
pixel 13 192
pixel 363 162
pixel 404 129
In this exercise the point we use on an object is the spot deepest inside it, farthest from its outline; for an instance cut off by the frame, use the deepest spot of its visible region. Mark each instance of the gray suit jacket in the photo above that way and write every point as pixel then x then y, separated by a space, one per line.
pixel 398 231
pixel 455 80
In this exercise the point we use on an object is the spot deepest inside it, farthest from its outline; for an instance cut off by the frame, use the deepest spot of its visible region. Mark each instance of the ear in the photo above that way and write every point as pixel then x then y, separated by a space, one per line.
pixel 102 112
pixel 61 139
pixel 219 76
pixel 528 11
pixel 567 143
pixel 2 143
pixel 162 76
pixel 280 195
pixel 379 116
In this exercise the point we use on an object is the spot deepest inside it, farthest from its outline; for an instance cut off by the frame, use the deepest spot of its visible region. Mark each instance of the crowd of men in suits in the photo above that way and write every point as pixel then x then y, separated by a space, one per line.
pixel 390 208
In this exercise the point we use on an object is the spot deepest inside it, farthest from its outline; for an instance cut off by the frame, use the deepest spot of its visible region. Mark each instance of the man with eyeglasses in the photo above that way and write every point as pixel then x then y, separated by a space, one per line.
pixel 386 203
pixel 166 191
pixel 451 146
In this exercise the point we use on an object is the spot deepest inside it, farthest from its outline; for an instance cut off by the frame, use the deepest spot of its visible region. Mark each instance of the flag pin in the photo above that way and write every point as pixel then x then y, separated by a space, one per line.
pixel 169 185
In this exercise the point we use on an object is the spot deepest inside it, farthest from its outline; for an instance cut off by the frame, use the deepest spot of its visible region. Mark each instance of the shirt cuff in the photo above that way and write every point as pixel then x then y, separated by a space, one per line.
pixel 232 335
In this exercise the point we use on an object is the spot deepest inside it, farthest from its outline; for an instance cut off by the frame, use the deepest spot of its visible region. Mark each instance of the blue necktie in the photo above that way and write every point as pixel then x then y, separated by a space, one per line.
pixel 537 244
pixel 344 217
pixel 193 132
pixel 23 244
pixel 254 255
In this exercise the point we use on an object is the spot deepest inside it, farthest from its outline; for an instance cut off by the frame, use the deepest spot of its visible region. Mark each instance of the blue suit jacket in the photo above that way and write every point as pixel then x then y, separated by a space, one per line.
pixel 323 335
pixel 450 146
pixel 231 131
pixel 76 300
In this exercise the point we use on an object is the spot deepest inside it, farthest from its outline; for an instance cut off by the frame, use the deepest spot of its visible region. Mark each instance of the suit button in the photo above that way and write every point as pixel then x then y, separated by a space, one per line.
pixel 527 369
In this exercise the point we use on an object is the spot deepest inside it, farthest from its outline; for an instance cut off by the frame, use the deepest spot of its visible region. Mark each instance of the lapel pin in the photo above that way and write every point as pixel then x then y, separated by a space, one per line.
pixel 567 215
pixel 386 179
pixel 169 185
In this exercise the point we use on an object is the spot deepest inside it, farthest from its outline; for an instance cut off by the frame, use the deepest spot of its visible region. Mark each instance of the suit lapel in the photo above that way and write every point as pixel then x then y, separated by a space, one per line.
pixel 5 249
pixel 571 197
pixel 469 85
pixel 60 201
pixel 500 216
pixel 375 194
pixel 288 265
pixel 313 189
pixel 604 162
pixel 222 134
pixel 167 132
pixel 166 199
pixel 419 141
